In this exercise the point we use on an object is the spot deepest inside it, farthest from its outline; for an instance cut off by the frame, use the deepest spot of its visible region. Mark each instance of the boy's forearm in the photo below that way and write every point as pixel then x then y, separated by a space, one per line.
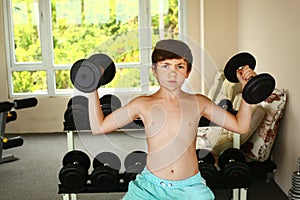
pixel 96 115
pixel 244 117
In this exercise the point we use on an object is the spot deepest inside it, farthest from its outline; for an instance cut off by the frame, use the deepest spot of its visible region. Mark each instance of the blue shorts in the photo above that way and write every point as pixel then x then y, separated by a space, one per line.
pixel 150 187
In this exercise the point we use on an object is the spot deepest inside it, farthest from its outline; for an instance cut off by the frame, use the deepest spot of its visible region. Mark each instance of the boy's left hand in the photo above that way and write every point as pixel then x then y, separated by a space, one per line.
pixel 245 74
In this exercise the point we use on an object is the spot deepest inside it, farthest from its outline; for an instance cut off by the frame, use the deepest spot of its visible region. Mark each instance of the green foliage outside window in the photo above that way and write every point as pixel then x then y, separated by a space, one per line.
pixel 75 41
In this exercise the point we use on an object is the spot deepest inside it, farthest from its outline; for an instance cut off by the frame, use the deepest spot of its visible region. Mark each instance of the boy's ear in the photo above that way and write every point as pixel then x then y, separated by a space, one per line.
pixel 154 71
pixel 187 74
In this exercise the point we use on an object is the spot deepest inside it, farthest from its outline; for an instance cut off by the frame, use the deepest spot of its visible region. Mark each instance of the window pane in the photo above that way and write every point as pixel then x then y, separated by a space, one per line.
pixel 164 16
pixel 81 27
pixel 62 80
pixel 26 31
pixel 29 81
pixel 125 78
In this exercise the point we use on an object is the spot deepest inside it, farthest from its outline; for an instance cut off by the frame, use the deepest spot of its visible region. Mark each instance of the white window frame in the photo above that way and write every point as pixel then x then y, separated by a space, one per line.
pixel 145 45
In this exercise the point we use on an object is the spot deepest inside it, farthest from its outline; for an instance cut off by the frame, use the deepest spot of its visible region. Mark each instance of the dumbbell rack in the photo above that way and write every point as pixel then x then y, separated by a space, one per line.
pixel 239 193
pixel 70 147
pixel 70 195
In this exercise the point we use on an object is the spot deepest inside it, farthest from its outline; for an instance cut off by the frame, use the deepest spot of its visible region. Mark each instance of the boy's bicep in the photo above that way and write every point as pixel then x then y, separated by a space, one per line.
pixel 119 118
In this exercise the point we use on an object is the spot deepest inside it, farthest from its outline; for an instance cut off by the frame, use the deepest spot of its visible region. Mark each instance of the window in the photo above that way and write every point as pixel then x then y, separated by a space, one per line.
pixel 44 38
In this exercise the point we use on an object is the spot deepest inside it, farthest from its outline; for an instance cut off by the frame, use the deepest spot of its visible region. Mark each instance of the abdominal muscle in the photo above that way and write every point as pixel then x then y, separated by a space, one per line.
pixel 172 156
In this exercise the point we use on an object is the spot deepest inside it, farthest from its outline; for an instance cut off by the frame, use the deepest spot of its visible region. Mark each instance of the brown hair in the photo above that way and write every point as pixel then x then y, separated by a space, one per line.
pixel 172 49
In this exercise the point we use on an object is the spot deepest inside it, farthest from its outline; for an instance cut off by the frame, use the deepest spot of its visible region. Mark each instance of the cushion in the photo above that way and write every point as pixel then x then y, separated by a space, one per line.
pixel 225 140
pixel 259 146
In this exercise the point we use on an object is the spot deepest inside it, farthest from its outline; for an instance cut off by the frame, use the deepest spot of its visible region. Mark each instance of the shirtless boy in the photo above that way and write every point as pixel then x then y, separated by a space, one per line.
pixel 170 118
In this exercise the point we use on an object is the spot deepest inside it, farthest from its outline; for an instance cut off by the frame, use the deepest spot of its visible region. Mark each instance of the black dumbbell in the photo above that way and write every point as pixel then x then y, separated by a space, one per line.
pixel 76 115
pixel 109 103
pixel 259 87
pixel 87 75
pixel 206 164
pixel 134 164
pixel 74 174
pixel 236 173
pixel 105 176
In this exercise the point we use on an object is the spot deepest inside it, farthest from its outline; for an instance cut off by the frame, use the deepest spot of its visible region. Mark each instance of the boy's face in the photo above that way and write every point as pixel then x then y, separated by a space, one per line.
pixel 171 73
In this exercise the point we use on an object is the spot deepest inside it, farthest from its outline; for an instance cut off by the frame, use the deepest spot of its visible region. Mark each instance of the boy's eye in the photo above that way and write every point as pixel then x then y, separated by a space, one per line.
pixel 164 66
pixel 181 67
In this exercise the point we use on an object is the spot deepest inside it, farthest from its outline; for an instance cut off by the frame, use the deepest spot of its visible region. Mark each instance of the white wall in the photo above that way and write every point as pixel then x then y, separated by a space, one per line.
pixel 270 29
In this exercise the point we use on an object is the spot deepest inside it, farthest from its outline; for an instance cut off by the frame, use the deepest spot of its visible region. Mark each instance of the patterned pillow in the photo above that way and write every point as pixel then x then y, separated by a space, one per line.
pixel 259 146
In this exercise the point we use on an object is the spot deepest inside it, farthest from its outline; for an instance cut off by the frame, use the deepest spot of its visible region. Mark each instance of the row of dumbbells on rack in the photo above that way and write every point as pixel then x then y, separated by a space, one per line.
pixel 105 177
pixel 76 115
pixel 294 192
pixel 229 170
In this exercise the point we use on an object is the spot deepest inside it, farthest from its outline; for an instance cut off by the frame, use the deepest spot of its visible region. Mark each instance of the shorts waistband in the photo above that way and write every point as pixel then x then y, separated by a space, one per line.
pixel 196 179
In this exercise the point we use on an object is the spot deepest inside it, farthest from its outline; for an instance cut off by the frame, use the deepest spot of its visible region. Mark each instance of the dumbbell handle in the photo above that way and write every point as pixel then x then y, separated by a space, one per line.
pixel 242 68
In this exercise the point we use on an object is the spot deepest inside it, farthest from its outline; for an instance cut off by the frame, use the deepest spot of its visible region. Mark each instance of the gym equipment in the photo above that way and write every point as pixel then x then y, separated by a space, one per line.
pixel 11 116
pixel 236 173
pixel 76 116
pixel 294 192
pixel 109 103
pixel 18 104
pixel 134 164
pixel 74 174
pixel 9 143
pixel 259 87
pixel 206 164
pixel 7 115
pixel 105 176
pixel 87 75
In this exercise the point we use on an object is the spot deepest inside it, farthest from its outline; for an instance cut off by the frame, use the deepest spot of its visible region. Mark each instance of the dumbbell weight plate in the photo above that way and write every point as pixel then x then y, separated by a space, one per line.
pixel 107 159
pixel 209 173
pixel 204 155
pixel 74 173
pixel 236 175
pixel 73 177
pixel 85 75
pixel 78 99
pixel 106 63
pixel 109 103
pixel 237 61
pixel 230 155
pixel 111 100
pixel 131 173
pixel 80 117
pixel 105 176
pixel 258 88
pixel 135 158
pixel 294 195
pixel 296 176
pixel 77 157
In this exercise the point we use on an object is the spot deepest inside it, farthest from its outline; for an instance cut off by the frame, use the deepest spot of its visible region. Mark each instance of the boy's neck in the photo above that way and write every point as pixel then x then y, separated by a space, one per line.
pixel 168 94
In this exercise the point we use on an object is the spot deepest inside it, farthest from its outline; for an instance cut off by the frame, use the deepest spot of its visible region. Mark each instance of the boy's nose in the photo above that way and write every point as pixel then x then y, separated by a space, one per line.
pixel 172 73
